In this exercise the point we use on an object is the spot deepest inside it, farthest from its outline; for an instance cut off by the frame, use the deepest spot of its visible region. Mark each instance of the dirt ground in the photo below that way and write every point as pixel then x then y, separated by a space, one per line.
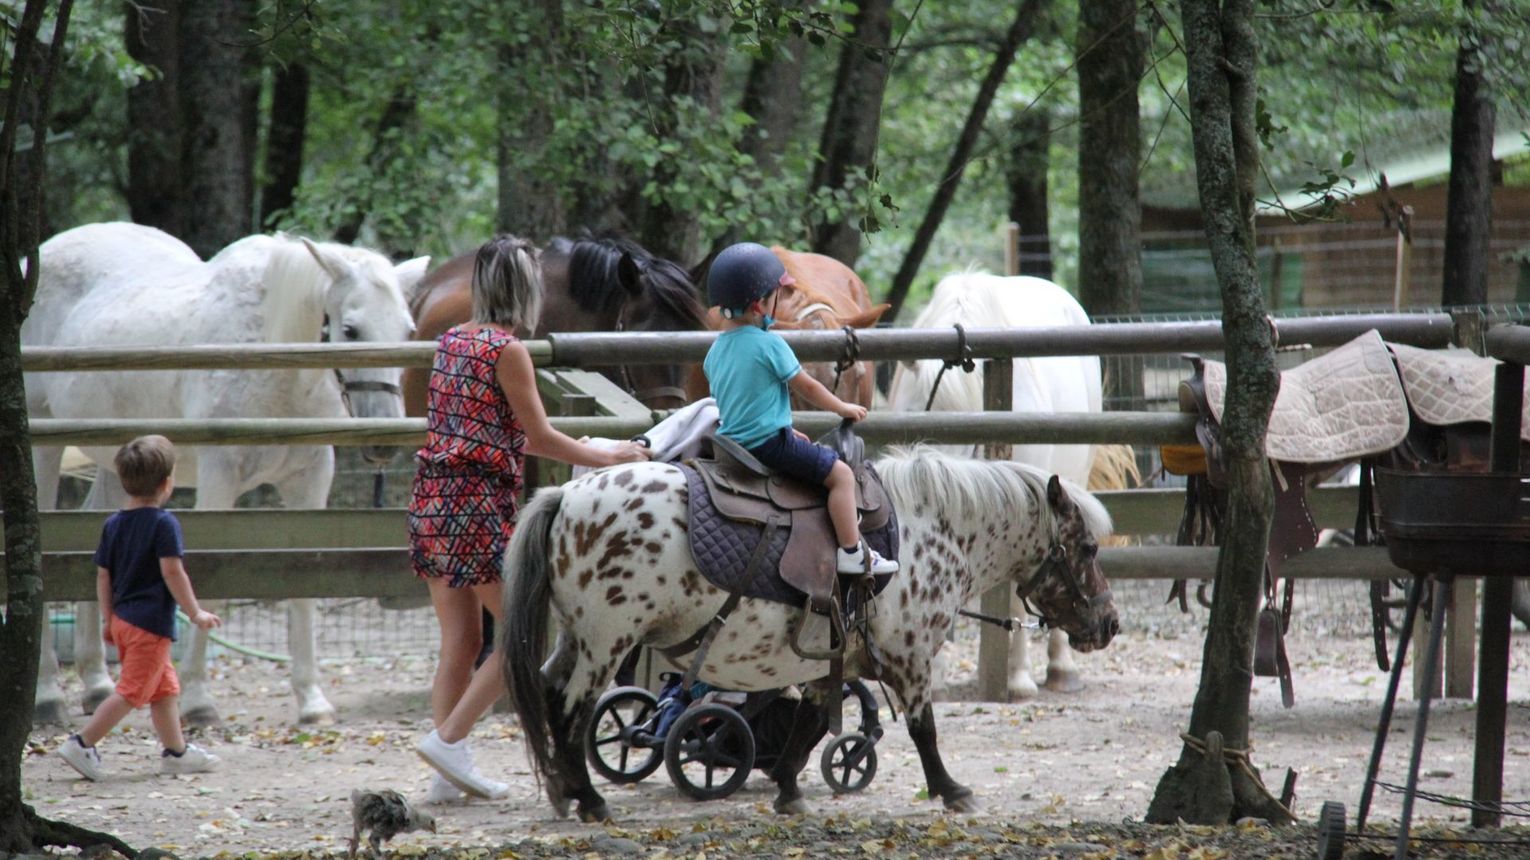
pixel 1061 775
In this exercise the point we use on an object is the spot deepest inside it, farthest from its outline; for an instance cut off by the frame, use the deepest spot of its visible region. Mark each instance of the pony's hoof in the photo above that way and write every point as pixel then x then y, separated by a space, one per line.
pixel 51 712
pixel 795 806
pixel 1022 688
pixel 963 801
pixel 202 717
pixel 93 699
pixel 597 813
pixel 322 717
pixel 1064 681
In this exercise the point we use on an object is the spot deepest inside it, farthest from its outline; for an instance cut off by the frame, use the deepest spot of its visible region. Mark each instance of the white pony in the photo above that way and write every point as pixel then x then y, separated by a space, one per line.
pixel 1050 384
pixel 121 284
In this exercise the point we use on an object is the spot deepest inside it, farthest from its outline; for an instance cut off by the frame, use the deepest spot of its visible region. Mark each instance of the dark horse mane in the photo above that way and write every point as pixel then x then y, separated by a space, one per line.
pixel 595 282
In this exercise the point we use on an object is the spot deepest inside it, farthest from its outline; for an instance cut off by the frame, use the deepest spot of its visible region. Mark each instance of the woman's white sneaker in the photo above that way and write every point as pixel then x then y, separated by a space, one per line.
pixel 455 764
pixel 441 791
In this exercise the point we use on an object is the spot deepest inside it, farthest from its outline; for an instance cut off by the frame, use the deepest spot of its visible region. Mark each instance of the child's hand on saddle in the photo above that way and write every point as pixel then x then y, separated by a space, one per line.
pixel 630 452
pixel 852 411
pixel 206 620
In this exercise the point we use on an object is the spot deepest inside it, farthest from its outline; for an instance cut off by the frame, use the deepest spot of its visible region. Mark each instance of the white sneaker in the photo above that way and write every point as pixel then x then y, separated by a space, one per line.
pixel 82 758
pixel 851 563
pixel 193 759
pixel 455 764
pixel 441 791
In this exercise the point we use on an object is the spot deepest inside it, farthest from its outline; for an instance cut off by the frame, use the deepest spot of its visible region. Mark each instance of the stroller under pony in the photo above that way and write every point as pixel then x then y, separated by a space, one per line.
pixel 709 739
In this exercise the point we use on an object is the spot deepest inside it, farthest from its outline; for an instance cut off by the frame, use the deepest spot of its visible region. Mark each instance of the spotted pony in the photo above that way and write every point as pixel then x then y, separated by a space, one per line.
pixel 606 556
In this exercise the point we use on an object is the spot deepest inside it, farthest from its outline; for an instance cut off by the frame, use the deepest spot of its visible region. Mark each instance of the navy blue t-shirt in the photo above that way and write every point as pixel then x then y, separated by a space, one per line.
pixel 132 543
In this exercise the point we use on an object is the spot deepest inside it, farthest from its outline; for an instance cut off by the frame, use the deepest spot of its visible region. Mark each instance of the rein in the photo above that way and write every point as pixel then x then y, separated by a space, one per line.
pixel 963 359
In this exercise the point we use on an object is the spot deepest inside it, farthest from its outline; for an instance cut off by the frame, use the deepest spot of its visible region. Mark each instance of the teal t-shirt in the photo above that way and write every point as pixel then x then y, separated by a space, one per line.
pixel 748 369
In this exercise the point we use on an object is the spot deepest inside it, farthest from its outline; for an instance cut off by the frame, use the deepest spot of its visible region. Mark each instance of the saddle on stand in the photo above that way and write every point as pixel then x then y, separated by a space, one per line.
pixel 1367 402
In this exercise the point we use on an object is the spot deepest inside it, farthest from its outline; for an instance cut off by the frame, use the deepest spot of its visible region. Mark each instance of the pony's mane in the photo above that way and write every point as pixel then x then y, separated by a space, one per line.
pixel 595 284
pixel 293 301
pixel 962 488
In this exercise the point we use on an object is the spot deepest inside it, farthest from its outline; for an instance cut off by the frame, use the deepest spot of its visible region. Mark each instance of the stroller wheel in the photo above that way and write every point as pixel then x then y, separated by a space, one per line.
pixel 618 741
pixel 849 763
pixel 709 751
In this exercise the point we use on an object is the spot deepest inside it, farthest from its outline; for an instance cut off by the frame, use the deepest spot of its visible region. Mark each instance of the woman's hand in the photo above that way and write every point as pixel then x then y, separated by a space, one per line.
pixel 851 411
pixel 629 452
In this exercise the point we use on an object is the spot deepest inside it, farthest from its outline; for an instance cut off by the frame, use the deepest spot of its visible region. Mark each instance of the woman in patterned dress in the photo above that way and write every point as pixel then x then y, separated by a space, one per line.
pixel 484 416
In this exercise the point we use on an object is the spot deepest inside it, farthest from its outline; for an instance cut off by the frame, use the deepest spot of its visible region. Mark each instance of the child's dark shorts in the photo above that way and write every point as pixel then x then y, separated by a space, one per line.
pixel 790 454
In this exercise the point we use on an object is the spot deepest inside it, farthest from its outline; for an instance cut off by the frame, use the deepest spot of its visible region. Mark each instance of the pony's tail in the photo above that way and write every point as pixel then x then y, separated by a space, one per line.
pixel 523 638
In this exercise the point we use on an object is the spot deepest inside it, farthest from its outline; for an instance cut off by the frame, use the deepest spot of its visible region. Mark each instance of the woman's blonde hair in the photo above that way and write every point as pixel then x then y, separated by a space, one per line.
pixel 507 283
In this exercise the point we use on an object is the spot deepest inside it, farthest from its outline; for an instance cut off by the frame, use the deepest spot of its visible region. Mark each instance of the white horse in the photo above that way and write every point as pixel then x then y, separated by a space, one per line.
pixel 607 556
pixel 120 284
pixel 1049 384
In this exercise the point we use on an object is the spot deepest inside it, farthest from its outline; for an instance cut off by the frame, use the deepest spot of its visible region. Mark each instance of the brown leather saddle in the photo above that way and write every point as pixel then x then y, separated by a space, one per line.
pixel 743 491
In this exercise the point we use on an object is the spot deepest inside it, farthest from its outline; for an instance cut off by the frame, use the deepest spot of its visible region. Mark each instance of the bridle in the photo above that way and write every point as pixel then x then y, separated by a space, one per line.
pixel 1056 563
pixel 349 385
pixel 625 371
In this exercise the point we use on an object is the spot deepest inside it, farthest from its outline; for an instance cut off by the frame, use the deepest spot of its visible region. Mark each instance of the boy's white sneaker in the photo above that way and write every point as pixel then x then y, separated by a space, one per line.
pixel 455 764
pixel 850 563
pixel 193 759
pixel 441 791
pixel 82 758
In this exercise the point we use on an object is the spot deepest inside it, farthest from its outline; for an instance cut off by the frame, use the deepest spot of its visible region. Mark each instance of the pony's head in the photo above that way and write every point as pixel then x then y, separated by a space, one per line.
pixel 336 293
pixel 1068 590
pixel 625 288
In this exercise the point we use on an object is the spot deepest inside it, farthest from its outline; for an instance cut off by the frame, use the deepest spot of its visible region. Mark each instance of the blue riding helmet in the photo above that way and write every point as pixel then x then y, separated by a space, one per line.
pixel 741 274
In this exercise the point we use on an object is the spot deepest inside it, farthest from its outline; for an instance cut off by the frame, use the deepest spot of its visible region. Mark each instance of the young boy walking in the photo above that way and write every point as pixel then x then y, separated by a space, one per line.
pixel 140 578
pixel 753 374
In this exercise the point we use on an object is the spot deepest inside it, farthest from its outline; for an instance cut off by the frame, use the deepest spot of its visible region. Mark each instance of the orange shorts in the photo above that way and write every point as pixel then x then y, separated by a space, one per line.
pixel 148 675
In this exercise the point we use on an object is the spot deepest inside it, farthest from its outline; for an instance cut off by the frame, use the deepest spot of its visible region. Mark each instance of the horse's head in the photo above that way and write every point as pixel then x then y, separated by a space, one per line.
pixel 364 302
pixel 1068 590
pixel 618 286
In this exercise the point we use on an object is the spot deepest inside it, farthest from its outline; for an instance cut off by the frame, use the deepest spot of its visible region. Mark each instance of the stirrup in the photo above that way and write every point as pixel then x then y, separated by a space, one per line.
pixel 836 634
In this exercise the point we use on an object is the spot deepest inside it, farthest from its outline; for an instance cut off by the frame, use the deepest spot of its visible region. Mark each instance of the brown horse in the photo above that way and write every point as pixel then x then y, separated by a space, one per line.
pixel 827 295
pixel 601 283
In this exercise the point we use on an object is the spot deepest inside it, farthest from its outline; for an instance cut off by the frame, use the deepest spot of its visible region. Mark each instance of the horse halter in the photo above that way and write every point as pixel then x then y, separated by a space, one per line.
pixel 349 385
pixel 1056 563
pixel 644 395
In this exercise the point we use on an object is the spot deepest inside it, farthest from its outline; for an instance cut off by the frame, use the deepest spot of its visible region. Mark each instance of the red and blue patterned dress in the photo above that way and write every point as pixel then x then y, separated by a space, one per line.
pixel 463 505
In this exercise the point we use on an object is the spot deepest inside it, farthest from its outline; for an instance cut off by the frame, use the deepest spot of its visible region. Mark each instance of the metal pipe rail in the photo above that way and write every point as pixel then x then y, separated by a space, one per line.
pixel 604 350
pixel 953 428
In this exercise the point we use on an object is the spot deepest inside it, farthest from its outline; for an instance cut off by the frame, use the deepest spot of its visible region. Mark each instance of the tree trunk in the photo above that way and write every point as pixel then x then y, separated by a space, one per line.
pixel 285 136
pixel 692 76
pixel 1026 175
pixel 1469 204
pixel 1206 786
pixel 400 112
pixel 1109 214
pixel 951 178
pixel 530 199
pixel 849 143
pixel 772 96
pixel 218 95
pixel 155 181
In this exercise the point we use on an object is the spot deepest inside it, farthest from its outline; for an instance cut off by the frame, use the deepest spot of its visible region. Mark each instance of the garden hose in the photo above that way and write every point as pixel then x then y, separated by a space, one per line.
pixel 226 643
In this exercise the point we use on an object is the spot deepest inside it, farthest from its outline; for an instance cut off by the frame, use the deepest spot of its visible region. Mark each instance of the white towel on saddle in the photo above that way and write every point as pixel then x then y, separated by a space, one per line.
pixel 676 437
